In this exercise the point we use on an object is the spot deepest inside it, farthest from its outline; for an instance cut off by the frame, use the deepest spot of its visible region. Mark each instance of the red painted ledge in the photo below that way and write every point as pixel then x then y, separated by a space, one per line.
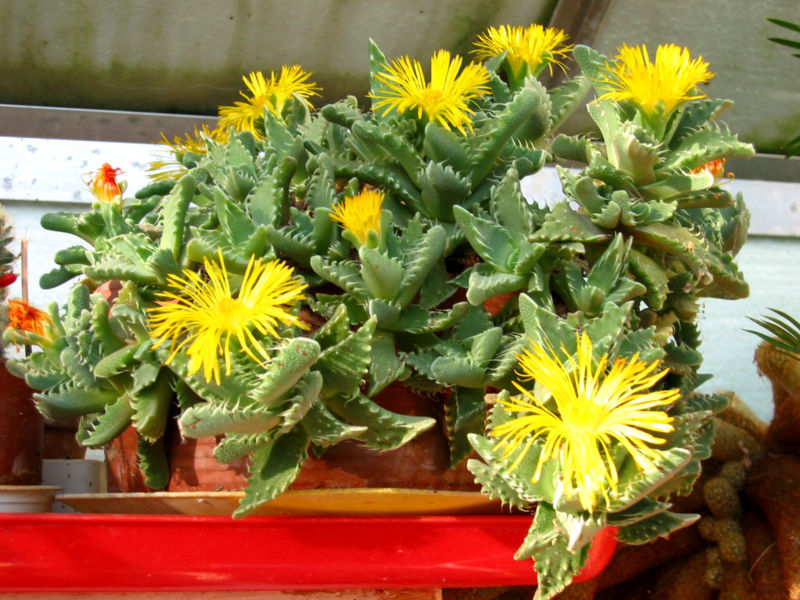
pixel 66 552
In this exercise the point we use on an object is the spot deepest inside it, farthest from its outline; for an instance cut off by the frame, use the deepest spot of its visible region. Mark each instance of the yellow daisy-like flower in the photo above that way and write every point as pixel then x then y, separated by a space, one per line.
pixel 592 409
pixel 360 213
pixel 445 99
pixel 531 48
pixel 266 93
pixel 672 79
pixel 169 167
pixel 203 317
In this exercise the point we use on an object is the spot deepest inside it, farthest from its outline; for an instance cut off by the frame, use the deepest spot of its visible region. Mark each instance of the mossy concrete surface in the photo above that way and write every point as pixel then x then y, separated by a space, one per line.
pixel 189 55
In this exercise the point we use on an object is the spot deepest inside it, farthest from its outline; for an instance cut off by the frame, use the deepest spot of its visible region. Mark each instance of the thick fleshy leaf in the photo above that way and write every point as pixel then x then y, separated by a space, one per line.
pixel 273 469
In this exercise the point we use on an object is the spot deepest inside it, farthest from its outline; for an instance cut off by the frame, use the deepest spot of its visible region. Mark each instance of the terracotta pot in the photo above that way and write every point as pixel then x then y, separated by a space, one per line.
pixel 496 303
pixel 421 463
pixel 191 461
pixel 20 433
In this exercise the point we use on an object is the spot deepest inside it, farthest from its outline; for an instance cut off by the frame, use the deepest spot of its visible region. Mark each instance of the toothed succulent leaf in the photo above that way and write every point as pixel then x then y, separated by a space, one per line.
pixel 273 469
pixel 386 430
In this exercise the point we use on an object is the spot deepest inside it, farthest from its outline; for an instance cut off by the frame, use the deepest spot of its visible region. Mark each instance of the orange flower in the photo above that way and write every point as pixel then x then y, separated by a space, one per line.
pixel 22 315
pixel 715 167
pixel 104 183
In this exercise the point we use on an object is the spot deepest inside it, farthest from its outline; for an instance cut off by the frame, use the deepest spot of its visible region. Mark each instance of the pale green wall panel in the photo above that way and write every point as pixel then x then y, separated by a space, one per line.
pixel 772 268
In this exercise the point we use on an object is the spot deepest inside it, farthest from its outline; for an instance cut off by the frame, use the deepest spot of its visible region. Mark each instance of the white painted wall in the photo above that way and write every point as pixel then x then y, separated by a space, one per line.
pixel 39 176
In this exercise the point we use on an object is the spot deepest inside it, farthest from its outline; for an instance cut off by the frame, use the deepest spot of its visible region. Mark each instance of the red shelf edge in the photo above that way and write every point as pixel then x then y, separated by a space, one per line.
pixel 64 552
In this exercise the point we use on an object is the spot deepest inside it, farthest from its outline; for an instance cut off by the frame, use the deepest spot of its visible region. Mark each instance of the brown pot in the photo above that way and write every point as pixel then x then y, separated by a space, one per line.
pixel 421 463
pixel 60 442
pixel 20 433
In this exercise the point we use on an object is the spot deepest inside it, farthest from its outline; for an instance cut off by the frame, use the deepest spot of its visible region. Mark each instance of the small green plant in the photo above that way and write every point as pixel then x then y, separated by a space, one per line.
pixel 781 330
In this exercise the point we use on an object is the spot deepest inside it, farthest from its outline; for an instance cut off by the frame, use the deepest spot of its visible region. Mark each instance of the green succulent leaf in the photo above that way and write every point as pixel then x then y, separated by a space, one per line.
pixel 324 429
pixel 658 525
pixel 494 485
pixel 464 415
pixel 377 64
pixel 381 273
pixel 521 478
pixel 593 66
pixel 55 277
pixel 386 365
pixel 153 463
pixel 117 361
pixel 213 418
pixel 654 277
pixel 290 363
pixel 643 509
pixel 563 224
pixel 344 274
pixel 485 282
pixel 566 98
pixel 635 483
pixel 529 108
pixel 173 215
pixel 697 114
pixel 421 259
pixel 68 403
pixel 677 186
pixel 235 446
pixel 386 430
pixel 344 365
pixel 307 393
pixel 702 146
pixel 274 467
pixel 492 242
pixel 151 407
pixel 442 189
pixel 107 425
pixel 446 147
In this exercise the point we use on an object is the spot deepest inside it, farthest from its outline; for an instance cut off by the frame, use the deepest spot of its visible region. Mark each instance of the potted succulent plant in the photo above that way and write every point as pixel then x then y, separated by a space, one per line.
pixel 286 269
pixel 21 426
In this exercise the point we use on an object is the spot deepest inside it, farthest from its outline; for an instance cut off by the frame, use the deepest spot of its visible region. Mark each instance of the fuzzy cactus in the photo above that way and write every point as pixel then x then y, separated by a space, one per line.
pixel 778 359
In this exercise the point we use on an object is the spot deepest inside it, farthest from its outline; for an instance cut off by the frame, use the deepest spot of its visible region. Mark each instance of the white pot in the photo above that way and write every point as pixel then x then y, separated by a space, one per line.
pixel 27 498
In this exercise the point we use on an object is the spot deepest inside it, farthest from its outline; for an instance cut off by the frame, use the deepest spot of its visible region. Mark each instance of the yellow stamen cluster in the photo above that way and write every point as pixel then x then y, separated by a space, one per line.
pixel 590 409
pixel 670 80
pixel 266 93
pixel 170 167
pixel 203 317
pixel 360 214
pixel 533 47
pixel 445 99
